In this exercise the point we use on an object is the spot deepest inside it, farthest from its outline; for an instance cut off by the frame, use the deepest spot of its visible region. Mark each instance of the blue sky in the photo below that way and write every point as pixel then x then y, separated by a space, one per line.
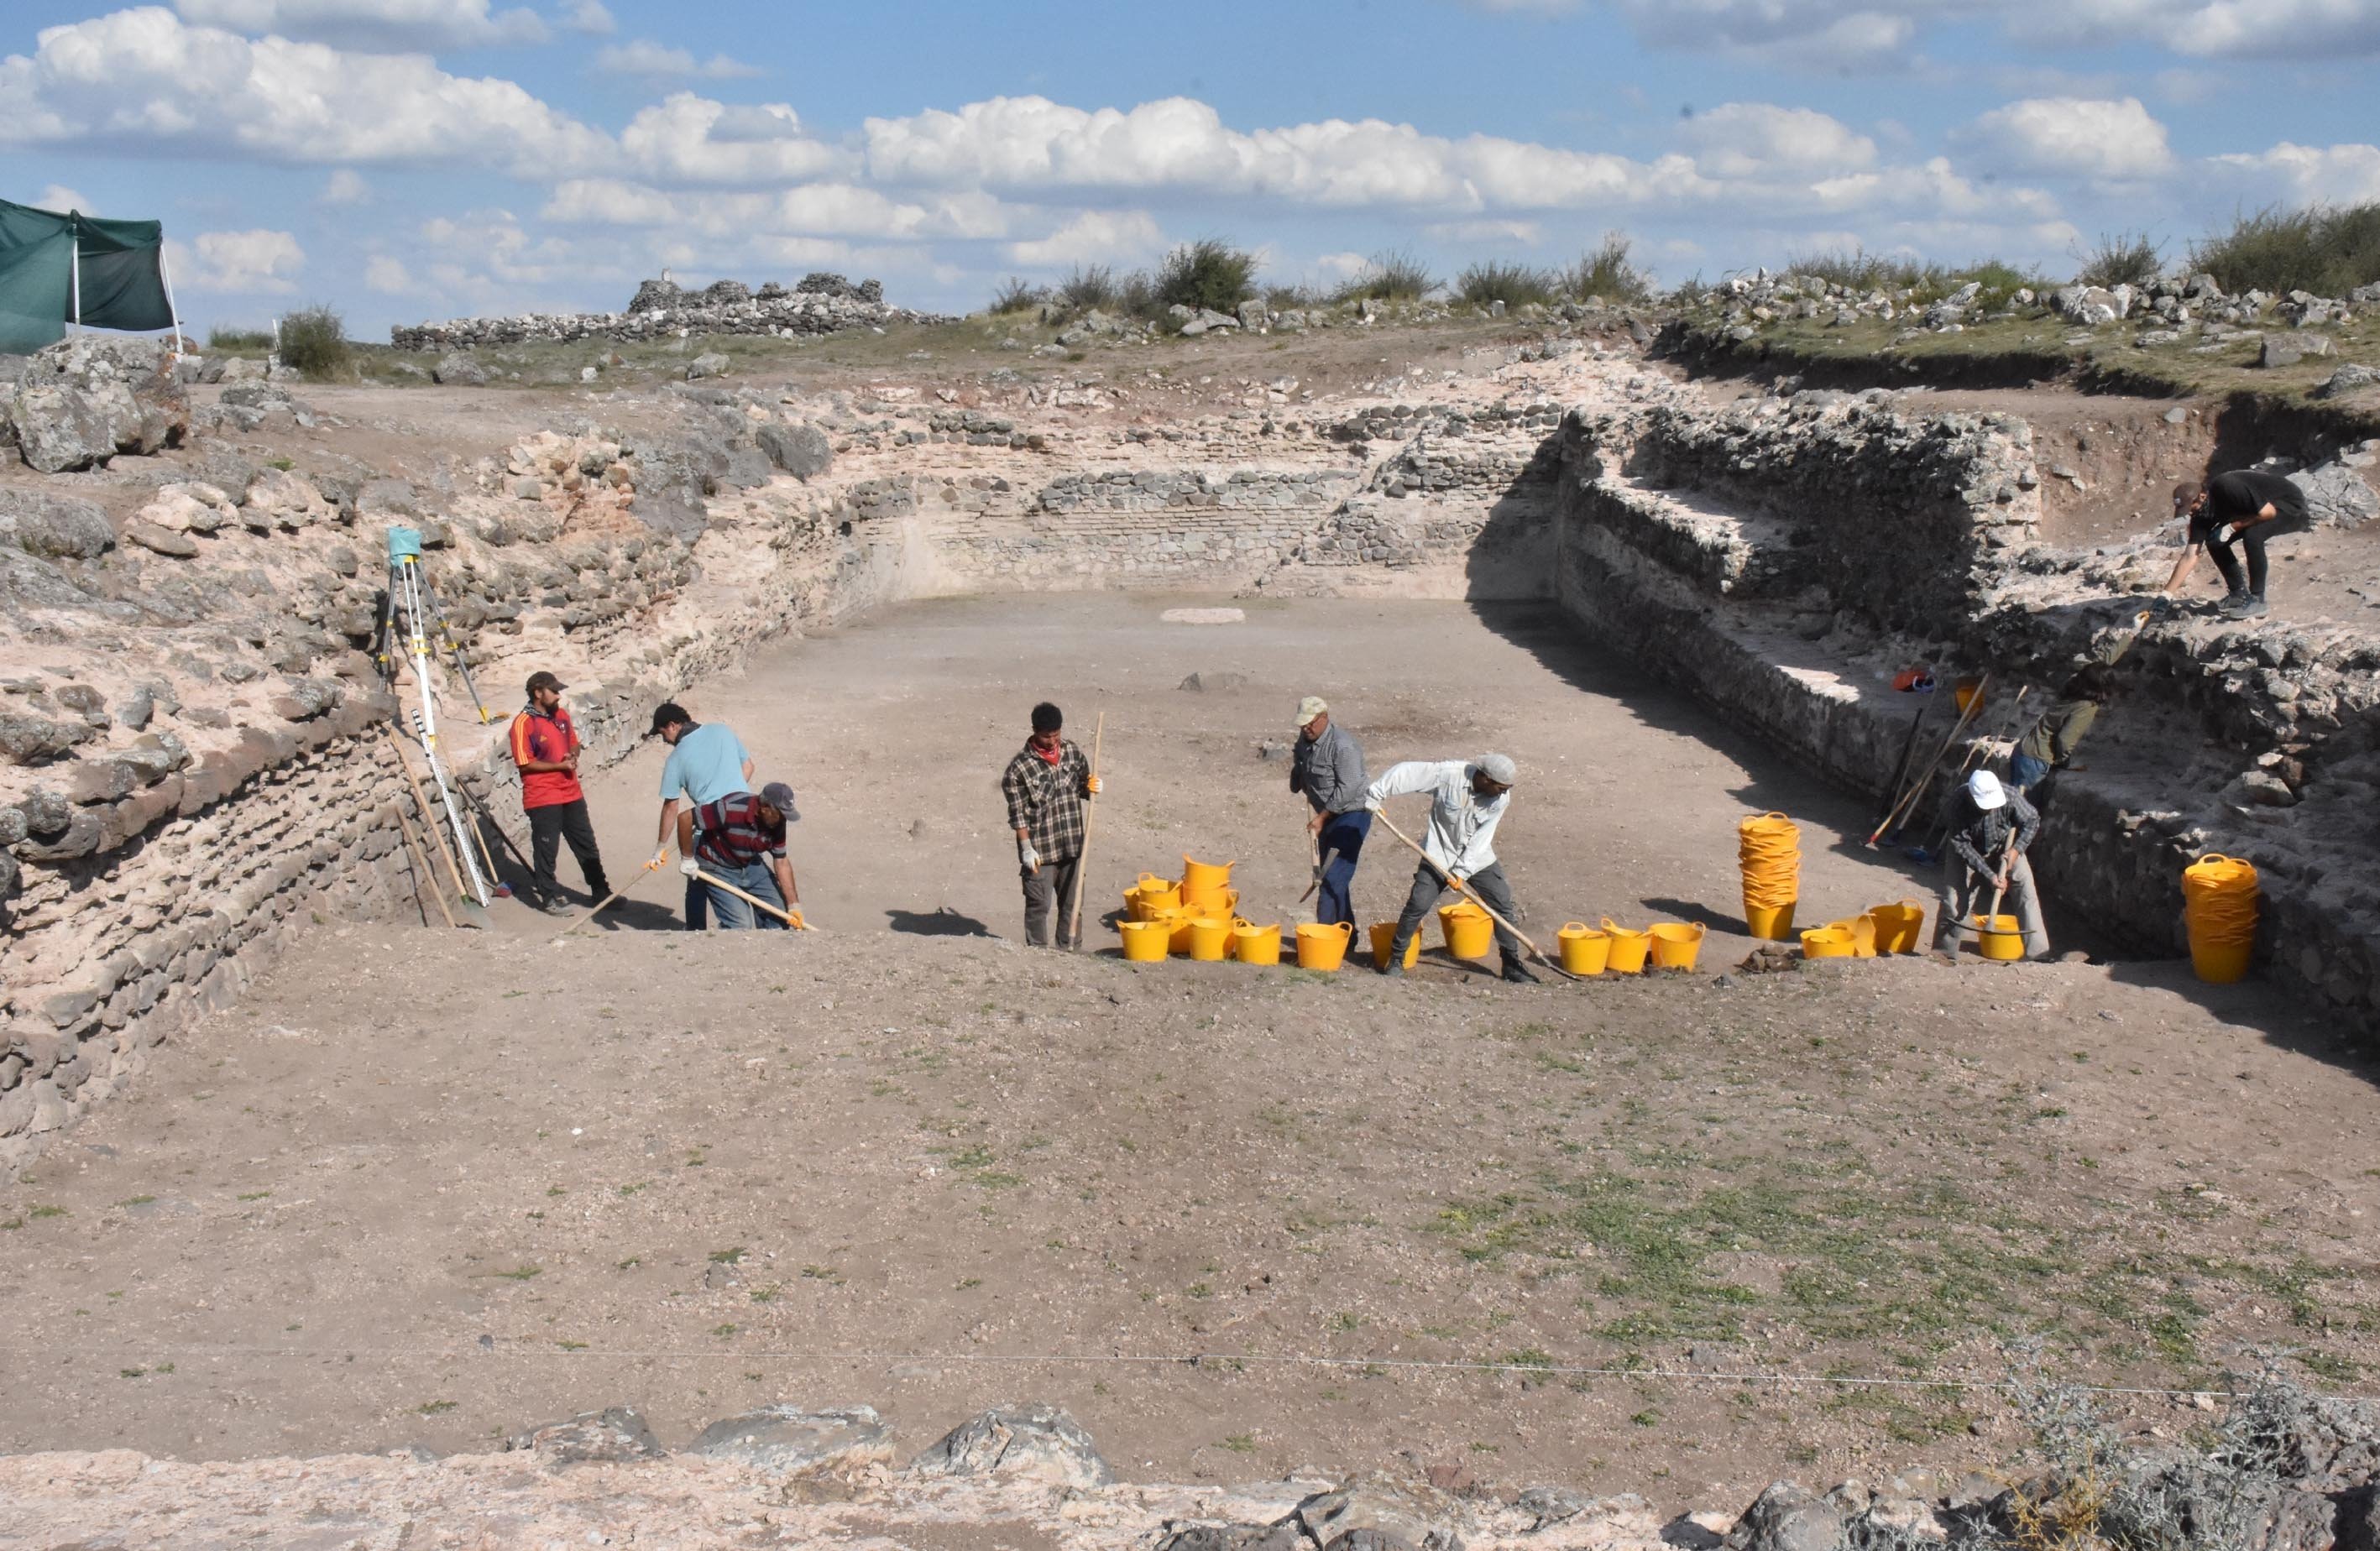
pixel 412 159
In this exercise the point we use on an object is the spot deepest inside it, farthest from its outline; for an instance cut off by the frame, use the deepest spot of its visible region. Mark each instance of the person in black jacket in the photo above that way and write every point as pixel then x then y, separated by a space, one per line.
pixel 2242 508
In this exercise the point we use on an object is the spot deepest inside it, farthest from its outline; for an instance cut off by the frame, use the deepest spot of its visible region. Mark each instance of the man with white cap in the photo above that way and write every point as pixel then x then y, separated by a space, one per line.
pixel 1327 767
pixel 1991 830
pixel 1467 798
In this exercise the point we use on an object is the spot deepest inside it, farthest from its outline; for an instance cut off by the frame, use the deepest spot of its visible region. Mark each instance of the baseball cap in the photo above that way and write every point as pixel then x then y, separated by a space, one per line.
pixel 779 796
pixel 543 680
pixel 1500 768
pixel 667 713
pixel 1984 787
pixel 1310 707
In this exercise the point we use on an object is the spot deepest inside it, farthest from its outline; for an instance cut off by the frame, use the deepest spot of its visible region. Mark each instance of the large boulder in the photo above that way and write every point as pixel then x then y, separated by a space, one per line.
pixel 59 430
pixel 2089 305
pixel 456 369
pixel 784 1439
pixel 55 527
pixel 1036 1441
pixel 84 400
pixel 615 1435
pixel 801 451
pixel 1787 1518
pixel 2337 495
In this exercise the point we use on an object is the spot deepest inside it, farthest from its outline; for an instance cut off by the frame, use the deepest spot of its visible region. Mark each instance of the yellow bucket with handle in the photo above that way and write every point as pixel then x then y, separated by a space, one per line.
pixel 1676 944
pixel 1146 942
pixel 1211 940
pixel 1252 944
pixel 1585 950
pixel 1323 947
pixel 1628 948
pixel 1469 933
pixel 1897 926
pixel 1384 937
pixel 1827 943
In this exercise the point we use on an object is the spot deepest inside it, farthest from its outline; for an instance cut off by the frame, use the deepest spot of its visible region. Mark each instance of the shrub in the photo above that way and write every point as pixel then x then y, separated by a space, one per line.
pixel 222 338
pixel 1015 295
pixel 314 342
pixel 1209 274
pixel 1861 270
pixel 1285 299
pixel 1604 272
pixel 2327 249
pixel 1394 275
pixel 1137 294
pixel 2126 259
pixel 1090 286
pixel 1513 284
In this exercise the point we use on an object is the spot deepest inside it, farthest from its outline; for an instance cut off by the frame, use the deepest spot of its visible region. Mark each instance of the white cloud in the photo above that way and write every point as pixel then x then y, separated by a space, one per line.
pixel 1497 234
pixel 1754 139
pixel 346 187
pixel 840 210
pixel 249 263
pixel 689 139
pixel 590 16
pixel 144 81
pixel 386 26
pixel 652 61
pixel 58 197
pixel 2303 173
pixel 388 276
pixel 2078 136
pixel 1095 235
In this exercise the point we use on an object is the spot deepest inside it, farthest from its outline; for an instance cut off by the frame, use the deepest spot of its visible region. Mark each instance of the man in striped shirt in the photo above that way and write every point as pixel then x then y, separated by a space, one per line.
pixel 1045 785
pixel 545 746
pixel 740 840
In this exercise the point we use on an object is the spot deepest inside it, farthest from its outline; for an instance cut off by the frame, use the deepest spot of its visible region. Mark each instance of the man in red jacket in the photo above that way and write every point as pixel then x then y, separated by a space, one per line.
pixel 545 746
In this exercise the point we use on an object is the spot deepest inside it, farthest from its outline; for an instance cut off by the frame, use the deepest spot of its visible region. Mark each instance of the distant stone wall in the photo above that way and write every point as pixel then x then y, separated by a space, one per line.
pixel 660 310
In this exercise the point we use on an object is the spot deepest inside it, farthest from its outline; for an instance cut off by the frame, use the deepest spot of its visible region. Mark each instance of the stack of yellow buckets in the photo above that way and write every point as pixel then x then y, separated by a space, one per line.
pixel 1768 847
pixel 1195 916
pixel 2219 896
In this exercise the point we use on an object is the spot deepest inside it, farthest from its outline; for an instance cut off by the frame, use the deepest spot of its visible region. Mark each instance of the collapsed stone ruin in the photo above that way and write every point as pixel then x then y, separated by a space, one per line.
pixel 819 304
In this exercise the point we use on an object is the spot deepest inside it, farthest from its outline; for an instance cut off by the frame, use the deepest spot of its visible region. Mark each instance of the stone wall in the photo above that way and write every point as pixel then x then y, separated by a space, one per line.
pixel 819 304
pixel 1781 560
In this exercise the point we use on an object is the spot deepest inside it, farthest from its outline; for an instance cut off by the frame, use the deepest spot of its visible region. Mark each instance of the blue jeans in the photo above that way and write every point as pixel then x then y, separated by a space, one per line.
pixel 1342 840
pixel 2025 772
pixel 737 915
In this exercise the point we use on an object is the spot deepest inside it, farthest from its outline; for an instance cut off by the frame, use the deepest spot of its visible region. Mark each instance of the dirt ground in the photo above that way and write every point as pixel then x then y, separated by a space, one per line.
pixel 433 1187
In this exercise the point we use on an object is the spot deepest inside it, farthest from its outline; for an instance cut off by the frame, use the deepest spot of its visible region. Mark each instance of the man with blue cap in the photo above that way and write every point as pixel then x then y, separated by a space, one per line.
pixel 1467 798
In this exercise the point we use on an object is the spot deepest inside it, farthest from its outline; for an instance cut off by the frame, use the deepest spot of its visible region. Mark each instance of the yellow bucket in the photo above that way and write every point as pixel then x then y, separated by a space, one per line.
pixel 1628 948
pixel 1585 950
pixel 1897 926
pixel 1146 942
pixel 1676 945
pixel 1825 942
pixel 1144 900
pixel 1384 937
pixel 2000 936
pixel 1469 933
pixel 2219 905
pixel 1862 931
pixel 1178 936
pixel 2221 964
pixel 1252 944
pixel 1204 881
pixel 1211 940
pixel 1323 947
pixel 1774 922
pixel 1966 692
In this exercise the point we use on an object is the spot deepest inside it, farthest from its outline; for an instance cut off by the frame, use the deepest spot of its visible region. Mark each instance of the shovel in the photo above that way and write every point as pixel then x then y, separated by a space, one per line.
pixel 756 901
pixel 1464 890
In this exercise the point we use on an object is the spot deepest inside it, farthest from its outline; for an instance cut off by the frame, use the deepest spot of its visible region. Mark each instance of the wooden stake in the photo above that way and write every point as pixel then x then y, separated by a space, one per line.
pixel 1907 800
pixel 1090 814
pixel 472 910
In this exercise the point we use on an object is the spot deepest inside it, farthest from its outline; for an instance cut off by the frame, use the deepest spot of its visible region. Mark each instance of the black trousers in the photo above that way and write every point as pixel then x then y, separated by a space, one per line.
pixel 2253 541
pixel 548 828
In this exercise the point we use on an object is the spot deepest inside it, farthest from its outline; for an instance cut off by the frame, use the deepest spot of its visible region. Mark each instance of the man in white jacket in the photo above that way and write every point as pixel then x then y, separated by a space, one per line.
pixel 1467 798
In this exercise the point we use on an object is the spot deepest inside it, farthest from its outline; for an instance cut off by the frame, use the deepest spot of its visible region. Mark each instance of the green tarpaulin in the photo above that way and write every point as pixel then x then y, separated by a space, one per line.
pixel 121 284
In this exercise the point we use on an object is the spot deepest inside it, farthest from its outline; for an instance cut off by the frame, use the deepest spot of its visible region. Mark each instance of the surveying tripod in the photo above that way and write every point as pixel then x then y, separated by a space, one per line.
pixel 408 616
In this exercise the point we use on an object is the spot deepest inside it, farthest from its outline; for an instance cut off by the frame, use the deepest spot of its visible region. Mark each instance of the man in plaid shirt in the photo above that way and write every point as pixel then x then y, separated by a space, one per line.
pixel 1045 785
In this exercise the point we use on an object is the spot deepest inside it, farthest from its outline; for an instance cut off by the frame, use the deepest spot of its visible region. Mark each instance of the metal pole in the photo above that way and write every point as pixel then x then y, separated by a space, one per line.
pixel 74 285
pixel 165 273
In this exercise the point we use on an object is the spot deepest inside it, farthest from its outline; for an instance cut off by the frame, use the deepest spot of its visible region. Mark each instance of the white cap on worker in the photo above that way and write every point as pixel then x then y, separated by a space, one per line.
pixel 1500 768
pixel 1984 787
pixel 1310 707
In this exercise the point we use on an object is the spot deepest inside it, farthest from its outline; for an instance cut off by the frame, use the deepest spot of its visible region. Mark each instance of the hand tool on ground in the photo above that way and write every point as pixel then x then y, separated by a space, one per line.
pixel 1322 859
pixel 1907 802
pixel 1908 752
pixel 650 867
pixel 787 917
pixel 1090 814
pixel 1927 855
pixel 487 818
pixel 474 913
pixel 421 873
pixel 2007 860
pixel 1466 891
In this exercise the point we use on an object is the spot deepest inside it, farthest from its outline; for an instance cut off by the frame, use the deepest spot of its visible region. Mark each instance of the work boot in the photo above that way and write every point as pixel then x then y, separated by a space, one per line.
pixel 1518 972
pixel 2245 605
pixel 556 905
pixel 1395 969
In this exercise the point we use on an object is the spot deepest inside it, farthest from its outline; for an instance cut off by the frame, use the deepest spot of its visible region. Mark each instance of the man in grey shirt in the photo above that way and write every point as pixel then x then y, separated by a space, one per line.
pixel 1328 767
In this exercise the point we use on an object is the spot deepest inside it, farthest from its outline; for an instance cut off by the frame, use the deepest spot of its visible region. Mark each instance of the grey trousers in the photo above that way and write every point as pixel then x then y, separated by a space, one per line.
pixel 1489 884
pixel 1966 892
pixel 1047 893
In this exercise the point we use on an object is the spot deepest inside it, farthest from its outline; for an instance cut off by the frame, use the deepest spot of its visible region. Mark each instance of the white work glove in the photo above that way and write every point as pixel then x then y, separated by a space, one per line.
pixel 660 858
pixel 1026 857
pixel 2223 534
pixel 691 867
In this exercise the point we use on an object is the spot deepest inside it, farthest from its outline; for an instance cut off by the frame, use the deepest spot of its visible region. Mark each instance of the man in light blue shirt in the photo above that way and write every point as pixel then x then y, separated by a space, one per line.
pixel 707 762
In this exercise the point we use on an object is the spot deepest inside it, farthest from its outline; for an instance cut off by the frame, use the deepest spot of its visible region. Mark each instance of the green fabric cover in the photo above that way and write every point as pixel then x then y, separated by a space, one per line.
pixel 123 285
